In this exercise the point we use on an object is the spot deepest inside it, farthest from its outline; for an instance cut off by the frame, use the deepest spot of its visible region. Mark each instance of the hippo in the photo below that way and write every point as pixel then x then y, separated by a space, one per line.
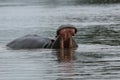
pixel 63 39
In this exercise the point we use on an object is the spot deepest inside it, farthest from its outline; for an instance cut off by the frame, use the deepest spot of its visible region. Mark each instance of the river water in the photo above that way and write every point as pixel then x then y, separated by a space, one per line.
pixel 98 37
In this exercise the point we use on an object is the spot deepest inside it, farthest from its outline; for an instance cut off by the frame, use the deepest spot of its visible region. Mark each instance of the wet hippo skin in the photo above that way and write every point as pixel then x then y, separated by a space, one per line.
pixel 30 42
pixel 63 40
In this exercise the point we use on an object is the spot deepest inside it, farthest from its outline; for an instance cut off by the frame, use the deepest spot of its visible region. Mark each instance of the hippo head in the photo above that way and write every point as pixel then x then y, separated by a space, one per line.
pixel 64 37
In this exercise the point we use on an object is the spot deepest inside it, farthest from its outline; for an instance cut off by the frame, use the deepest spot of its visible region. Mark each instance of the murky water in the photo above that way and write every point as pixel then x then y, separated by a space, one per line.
pixel 96 58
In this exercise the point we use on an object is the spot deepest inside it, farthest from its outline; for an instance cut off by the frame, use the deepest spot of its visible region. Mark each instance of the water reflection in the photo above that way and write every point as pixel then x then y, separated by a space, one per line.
pixel 65 55
pixel 66 58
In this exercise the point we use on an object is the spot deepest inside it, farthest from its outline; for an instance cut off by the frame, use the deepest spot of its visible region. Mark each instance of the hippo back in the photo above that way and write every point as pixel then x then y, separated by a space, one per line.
pixel 30 42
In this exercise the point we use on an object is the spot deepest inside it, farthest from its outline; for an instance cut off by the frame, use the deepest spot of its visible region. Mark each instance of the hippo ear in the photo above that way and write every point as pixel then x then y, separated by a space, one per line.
pixel 56 43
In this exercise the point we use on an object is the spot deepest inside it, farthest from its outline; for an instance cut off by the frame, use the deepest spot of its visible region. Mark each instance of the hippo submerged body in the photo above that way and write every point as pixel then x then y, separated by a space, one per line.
pixel 36 41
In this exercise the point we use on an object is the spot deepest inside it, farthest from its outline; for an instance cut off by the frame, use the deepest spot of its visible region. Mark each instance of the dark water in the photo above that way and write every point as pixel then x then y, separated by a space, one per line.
pixel 98 37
